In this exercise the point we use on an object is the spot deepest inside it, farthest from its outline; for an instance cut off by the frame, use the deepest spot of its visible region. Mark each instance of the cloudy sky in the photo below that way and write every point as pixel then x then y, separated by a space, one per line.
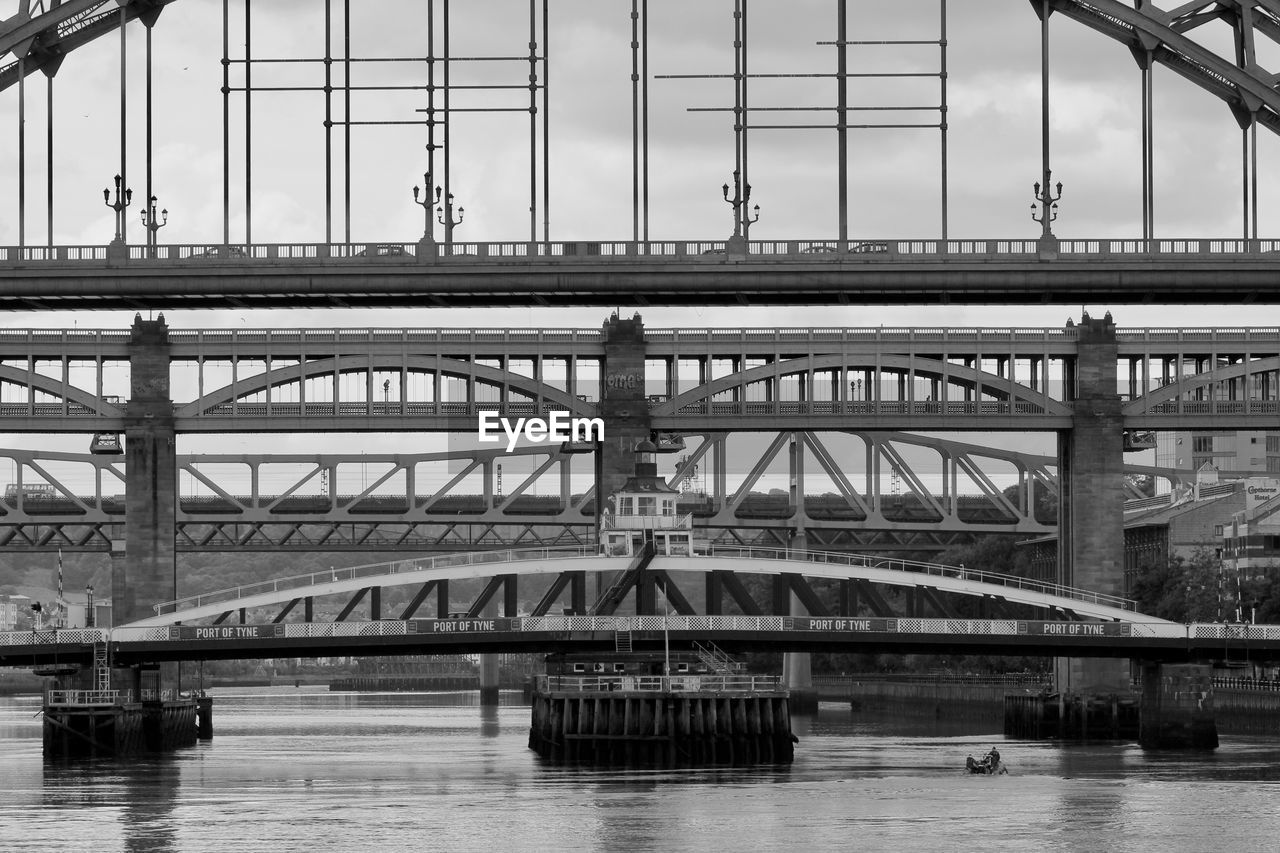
pixel 993 61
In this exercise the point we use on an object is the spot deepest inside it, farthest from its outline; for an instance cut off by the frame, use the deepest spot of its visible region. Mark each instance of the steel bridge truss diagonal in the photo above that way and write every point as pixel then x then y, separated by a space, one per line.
pixel 1165 36
pixel 560 579
pixel 910 493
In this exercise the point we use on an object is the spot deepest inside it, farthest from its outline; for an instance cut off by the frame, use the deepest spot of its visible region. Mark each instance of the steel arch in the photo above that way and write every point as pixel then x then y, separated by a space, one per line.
pixel 1246 88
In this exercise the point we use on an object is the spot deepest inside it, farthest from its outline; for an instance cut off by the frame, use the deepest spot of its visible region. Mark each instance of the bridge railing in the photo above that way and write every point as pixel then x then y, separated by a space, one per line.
pixel 935 569
pixel 302 583
pixel 88 697
pixel 659 683
pixel 596 251
pixel 563 626
pixel 51 636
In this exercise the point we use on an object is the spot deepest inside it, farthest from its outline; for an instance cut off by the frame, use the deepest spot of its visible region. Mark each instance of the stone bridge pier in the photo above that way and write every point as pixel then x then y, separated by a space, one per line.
pixel 1091 496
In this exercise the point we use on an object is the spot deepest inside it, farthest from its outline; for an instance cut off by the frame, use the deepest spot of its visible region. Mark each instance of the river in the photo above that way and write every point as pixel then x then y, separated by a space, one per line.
pixel 306 770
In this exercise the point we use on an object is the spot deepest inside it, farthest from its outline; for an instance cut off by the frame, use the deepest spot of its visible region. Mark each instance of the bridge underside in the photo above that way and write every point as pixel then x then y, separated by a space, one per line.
pixel 346 284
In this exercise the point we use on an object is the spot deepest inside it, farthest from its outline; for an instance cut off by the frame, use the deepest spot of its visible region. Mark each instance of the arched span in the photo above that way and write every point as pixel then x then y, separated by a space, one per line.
pixel 954 374
pixel 547 562
pixel 75 397
pixel 324 367
pixel 56 29
pixel 1153 400
pixel 1240 82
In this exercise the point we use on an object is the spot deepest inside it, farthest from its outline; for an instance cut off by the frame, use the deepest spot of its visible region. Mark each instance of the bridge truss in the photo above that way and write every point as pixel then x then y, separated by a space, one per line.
pixel 358 380
pixel 458 500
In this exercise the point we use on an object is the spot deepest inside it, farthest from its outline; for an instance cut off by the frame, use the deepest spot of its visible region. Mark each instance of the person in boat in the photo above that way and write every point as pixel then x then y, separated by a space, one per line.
pixel 992 760
pixel 971 765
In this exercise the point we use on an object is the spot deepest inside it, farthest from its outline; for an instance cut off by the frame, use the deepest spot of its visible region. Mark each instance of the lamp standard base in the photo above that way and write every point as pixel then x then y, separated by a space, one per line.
pixel 117 250
pixel 736 245
pixel 427 250
pixel 1047 247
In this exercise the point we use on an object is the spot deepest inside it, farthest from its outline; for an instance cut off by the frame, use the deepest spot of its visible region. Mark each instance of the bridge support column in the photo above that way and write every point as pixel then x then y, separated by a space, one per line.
pixel 1091 502
pixel 1177 707
pixel 625 413
pixel 797 667
pixel 490 672
pixel 148 573
pixel 624 409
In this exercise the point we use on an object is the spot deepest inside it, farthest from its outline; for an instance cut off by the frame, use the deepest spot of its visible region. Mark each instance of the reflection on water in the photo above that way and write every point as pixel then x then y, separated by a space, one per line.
pixel 311 771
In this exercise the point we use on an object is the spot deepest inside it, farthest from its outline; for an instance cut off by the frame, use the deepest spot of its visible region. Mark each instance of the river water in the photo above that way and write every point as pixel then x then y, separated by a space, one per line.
pixel 304 770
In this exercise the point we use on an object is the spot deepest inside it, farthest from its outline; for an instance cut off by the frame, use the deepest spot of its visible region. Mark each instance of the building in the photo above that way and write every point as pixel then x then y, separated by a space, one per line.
pixel 1251 538
pixel 1177 524
pixel 1244 451
pixel 10 607
pixel 644 511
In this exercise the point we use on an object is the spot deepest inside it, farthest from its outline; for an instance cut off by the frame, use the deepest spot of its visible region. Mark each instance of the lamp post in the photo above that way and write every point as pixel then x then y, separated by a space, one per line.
pixel 741 222
pixel 152 226
pixel 89 616
pixel 427 205
pixel 445 216
pixel 118 206
pixel 1047 203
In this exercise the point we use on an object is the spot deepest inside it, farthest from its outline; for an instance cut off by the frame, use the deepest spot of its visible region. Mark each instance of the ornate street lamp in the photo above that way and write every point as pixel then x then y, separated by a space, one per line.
pixel 427 205
pixel 1047 203
pixel 118 206
pixel 152 226
pixel 738 202
pixel 445 216
pixel 88 606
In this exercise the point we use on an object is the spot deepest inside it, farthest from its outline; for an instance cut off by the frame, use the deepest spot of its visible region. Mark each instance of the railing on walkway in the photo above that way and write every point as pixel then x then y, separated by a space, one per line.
pixel 1264 685
pixel 54 636
pixel 88 697
pixel 659 683
pixel 935 569
pixel 816 251
pixel 563 626
pixel 989 679
pixel 302 583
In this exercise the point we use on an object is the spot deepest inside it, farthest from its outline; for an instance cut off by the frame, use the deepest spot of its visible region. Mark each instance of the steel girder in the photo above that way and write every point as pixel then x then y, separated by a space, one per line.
pixel 1247 88
pixel 75 501
pixel 45 31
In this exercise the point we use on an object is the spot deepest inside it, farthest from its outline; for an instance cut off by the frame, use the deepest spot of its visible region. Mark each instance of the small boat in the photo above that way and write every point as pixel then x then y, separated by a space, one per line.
pixel 990 765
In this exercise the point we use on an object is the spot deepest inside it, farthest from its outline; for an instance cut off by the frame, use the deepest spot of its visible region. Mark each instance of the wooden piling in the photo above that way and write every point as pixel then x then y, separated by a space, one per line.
pixel 663 729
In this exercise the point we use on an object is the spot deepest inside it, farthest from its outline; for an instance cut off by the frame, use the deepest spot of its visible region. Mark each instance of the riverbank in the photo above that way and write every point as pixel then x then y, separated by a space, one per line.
pixel 1238 709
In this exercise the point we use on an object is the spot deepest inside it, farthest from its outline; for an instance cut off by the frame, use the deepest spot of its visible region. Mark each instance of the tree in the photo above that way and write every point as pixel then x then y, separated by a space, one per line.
pixel 1180 589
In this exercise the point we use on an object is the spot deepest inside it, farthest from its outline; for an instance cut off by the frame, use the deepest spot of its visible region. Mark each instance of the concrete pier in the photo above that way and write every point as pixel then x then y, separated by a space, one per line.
pixel 1071 716
pixel 662 721
pixel 1177 707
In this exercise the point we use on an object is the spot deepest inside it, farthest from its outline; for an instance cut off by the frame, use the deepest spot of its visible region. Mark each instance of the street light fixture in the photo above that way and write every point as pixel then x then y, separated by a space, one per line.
pixel 445 216
pixel 152 226
pixel 118 206
pixel 88 607
pixel 1047 204
pixel 427 205
pixel 741 195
